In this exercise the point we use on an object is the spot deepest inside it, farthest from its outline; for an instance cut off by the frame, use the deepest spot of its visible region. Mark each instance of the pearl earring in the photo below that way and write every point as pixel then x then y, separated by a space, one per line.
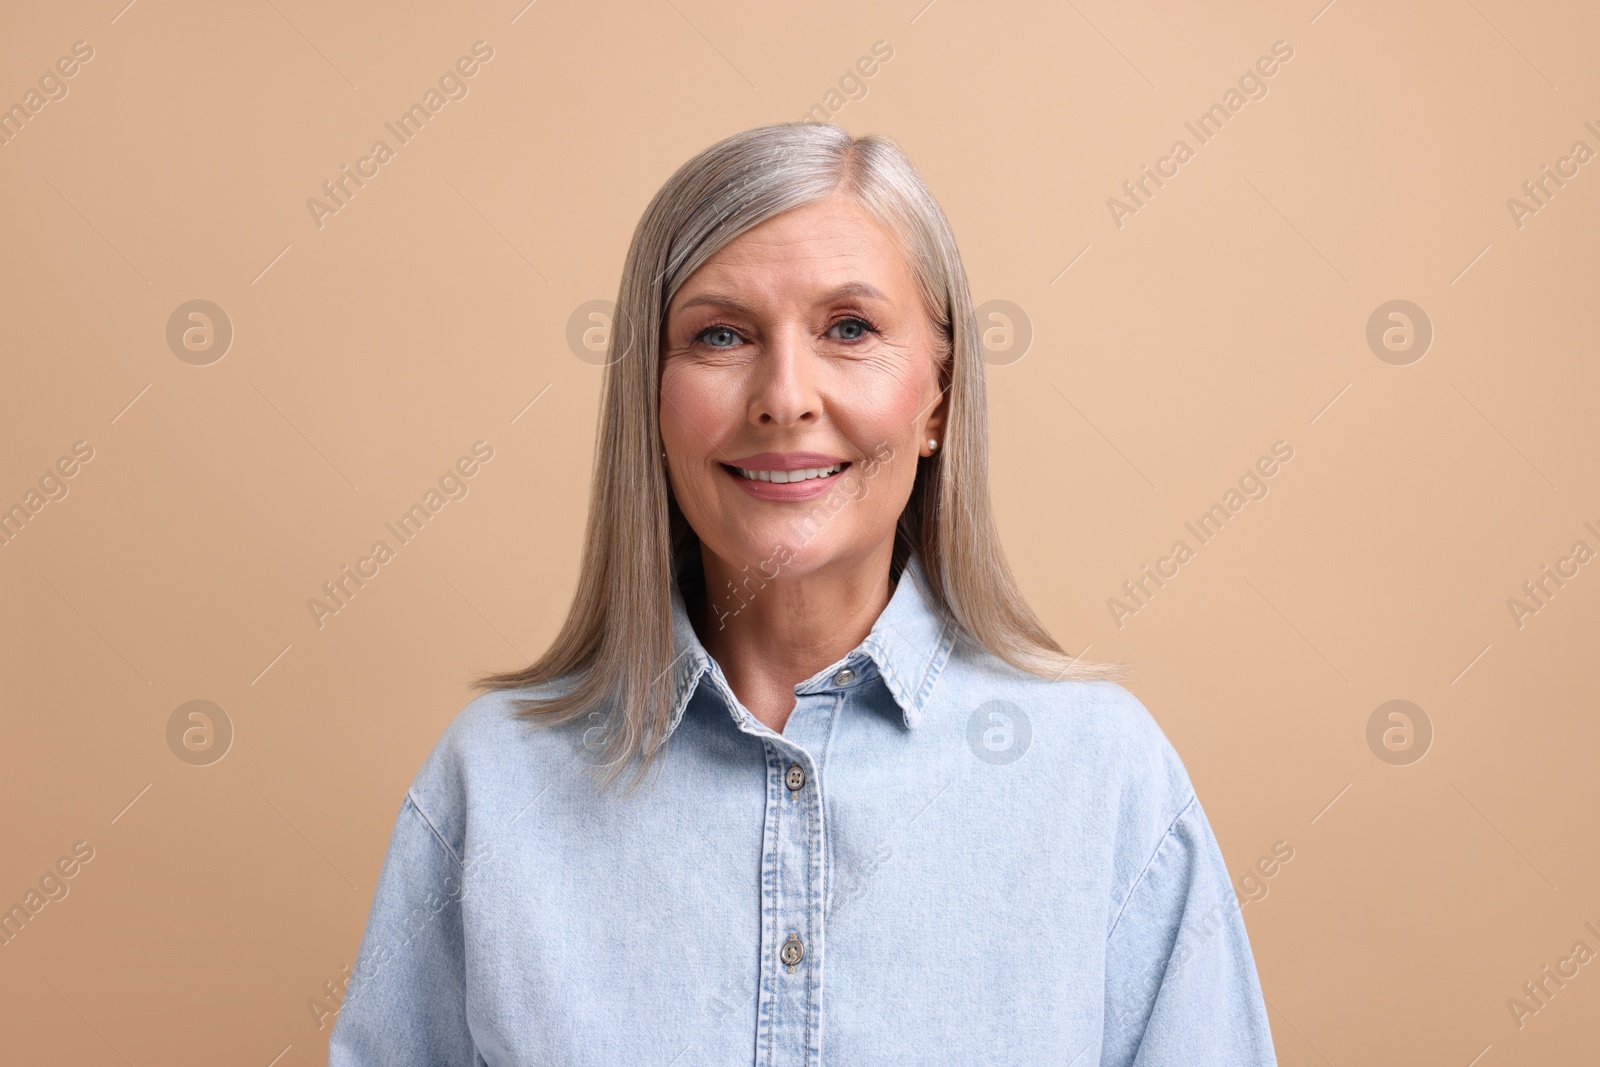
pixel 933 445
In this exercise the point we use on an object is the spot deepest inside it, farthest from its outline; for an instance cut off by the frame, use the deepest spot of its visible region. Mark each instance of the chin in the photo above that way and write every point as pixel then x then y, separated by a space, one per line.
pixel 800 556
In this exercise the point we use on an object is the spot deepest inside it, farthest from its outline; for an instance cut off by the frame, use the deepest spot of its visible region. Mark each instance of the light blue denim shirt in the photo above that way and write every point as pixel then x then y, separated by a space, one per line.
pixel 940 860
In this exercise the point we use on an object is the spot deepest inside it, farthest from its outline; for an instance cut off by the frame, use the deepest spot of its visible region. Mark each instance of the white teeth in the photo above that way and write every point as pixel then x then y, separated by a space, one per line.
pixel 784 477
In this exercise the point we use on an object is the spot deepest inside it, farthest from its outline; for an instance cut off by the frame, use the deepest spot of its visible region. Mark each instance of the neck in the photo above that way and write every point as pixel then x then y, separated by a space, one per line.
pixel 770 634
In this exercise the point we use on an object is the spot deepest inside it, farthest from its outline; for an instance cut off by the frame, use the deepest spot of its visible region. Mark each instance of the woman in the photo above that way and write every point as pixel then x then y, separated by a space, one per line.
pixel 888 820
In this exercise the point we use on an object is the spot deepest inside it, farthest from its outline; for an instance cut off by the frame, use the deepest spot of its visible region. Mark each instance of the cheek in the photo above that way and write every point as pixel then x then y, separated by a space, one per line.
pixel 886 409
pixel 693 412
pixel 883 422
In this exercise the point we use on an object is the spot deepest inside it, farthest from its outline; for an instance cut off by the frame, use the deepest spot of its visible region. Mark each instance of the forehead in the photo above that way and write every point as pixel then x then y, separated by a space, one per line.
pixel 817 246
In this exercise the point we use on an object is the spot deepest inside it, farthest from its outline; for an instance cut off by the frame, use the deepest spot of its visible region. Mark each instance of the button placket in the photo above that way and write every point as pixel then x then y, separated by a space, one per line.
pixel 790 1009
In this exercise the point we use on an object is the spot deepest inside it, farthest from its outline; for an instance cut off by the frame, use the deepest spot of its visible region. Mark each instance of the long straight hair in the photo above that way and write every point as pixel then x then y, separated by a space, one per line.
pixel 612 660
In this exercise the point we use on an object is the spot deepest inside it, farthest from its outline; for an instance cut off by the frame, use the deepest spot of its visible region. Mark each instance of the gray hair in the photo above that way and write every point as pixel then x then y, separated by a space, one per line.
pixel 615 649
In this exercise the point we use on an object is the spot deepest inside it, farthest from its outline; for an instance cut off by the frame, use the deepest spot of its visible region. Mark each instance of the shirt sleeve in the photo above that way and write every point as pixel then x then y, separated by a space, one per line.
pixel 406 1000
pixel 1181 984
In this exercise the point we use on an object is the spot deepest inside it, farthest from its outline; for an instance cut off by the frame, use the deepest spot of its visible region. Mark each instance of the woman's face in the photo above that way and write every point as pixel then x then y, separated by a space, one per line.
pixel 798 389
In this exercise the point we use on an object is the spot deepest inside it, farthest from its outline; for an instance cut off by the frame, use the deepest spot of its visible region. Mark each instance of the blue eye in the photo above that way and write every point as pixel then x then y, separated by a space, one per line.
pixel 719 336
pixel 851 329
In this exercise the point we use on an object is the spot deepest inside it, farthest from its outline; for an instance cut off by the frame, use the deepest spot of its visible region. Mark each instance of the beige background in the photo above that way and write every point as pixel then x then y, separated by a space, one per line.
pixel 1228 313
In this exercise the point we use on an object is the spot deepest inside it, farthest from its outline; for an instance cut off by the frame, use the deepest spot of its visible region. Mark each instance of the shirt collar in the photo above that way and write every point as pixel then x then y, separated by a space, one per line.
pixel 907 647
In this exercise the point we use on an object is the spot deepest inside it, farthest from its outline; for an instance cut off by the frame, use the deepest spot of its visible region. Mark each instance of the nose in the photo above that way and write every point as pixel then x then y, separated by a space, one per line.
pixel 785 390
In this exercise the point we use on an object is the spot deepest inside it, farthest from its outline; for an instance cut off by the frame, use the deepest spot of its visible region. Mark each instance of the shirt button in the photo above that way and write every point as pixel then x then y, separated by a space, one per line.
pixel 844 677
pixel 796 778
pixel 792 952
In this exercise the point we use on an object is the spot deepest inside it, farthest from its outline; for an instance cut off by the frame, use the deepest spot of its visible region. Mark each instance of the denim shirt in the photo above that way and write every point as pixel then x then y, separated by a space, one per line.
pixel 940 860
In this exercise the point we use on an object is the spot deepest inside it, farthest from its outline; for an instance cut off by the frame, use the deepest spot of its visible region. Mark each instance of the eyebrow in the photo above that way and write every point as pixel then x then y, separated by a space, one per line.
pixel 723 300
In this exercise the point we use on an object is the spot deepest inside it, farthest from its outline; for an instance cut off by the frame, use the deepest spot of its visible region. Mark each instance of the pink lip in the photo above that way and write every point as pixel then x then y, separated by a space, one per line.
pixel 786 461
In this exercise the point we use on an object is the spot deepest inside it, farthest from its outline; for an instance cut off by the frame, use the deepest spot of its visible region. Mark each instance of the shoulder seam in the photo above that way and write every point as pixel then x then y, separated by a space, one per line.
pixel 411 799
pixel 1139 880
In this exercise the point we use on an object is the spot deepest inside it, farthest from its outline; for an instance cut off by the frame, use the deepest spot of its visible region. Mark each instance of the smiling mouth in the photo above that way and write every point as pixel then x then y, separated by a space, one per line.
pixel 786 477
